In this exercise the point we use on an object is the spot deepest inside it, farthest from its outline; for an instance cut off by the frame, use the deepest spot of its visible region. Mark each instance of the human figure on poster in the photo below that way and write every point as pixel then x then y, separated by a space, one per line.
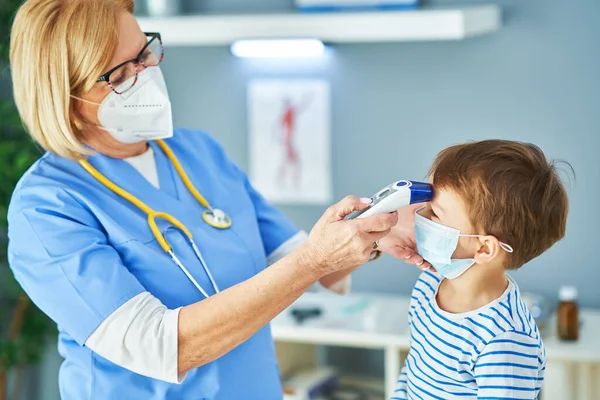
pixel 286 130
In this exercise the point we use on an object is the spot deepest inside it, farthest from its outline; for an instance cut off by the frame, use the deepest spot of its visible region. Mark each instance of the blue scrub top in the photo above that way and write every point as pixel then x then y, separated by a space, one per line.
pixel 80 252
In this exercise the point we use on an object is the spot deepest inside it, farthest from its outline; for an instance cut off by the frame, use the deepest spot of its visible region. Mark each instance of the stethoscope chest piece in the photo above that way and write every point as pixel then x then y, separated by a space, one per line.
pixel 216 218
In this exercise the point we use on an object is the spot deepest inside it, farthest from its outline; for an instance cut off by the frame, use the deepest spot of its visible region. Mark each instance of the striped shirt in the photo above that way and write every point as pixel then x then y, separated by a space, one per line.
pixel 494 352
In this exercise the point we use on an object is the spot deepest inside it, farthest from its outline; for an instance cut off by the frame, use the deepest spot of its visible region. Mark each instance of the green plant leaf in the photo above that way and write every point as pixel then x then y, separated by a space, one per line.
pixel 17 153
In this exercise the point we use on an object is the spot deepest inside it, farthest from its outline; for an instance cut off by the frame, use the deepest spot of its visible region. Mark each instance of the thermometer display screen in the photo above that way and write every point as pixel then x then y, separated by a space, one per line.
pixel 384 193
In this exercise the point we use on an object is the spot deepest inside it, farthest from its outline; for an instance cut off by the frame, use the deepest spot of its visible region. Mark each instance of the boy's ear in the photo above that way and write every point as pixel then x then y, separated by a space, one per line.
pixel 489 249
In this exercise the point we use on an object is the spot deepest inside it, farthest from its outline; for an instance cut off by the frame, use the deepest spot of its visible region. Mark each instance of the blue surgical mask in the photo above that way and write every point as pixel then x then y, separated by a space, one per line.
pixel 436 243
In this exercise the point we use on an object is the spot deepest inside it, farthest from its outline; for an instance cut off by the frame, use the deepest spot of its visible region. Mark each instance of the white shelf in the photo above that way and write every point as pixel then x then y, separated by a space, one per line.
pixel 370 326
pixel 354 27
pixel 334 337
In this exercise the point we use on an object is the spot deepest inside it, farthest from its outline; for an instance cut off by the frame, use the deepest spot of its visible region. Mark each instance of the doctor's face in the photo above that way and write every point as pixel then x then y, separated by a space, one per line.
pixel 131 41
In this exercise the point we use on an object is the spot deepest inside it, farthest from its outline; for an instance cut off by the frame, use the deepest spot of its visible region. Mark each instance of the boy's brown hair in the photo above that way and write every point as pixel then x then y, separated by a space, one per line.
pixel 511 192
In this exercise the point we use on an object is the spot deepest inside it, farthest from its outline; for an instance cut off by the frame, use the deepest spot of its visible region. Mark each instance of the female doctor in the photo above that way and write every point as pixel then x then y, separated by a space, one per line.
pixel 160 264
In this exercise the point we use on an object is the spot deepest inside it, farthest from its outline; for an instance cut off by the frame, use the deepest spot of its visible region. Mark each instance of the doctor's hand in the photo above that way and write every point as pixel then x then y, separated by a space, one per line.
pixel 335 244
pixel 400 242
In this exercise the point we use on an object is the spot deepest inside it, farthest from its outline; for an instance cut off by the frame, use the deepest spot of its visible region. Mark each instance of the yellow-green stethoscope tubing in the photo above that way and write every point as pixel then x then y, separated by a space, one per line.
pixel 222 222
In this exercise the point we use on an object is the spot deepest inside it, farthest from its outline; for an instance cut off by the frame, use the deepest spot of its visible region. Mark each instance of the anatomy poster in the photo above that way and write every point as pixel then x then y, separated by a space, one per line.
pixel 290 140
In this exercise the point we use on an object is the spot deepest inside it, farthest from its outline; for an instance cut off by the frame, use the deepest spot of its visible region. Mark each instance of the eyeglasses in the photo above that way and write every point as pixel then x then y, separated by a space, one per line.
pixel 124 76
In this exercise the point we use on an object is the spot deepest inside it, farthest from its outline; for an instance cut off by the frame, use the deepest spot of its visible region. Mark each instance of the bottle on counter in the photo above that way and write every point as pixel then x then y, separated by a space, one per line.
pixel 568 314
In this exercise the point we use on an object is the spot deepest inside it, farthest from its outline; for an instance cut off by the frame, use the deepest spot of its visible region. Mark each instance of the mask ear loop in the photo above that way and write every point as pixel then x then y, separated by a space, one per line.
pixel 86 101
pixel 506 247
pixel 89 102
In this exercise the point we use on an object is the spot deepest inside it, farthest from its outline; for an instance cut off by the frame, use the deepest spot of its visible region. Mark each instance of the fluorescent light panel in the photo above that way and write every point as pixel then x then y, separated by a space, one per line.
pixel 278 48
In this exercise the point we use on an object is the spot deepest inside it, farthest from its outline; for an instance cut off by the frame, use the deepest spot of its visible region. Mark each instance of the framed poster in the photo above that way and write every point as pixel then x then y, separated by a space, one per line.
pixel 290 140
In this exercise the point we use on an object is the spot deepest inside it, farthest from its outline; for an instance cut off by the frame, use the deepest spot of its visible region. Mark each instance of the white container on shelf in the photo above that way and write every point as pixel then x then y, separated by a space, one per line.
pixel 163 8
pixel 333 5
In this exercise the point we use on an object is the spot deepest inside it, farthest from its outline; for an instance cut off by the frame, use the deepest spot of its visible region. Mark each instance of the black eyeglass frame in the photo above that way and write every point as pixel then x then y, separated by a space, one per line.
pixel 138 59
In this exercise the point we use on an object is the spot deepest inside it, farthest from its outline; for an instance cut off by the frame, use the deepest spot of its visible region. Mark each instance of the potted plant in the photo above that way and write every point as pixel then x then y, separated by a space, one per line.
pixel 24 329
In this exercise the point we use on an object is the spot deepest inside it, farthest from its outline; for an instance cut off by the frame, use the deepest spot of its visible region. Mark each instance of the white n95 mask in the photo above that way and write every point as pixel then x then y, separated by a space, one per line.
pixel 141 113
pixel 436 243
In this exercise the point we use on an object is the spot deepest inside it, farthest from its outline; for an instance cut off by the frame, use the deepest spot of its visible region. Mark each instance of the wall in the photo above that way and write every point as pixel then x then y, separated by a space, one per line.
pixel 396 105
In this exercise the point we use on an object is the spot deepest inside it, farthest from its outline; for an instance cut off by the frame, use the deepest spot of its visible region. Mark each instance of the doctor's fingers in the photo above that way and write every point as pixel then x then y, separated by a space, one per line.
pixel 344 207
pixel 377 223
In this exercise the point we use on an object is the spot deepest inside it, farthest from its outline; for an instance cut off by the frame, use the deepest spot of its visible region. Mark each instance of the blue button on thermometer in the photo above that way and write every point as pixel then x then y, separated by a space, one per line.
pixel 395 196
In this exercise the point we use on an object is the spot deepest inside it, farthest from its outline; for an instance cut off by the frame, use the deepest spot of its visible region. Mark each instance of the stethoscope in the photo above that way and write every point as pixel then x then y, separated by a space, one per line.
pixel 212 216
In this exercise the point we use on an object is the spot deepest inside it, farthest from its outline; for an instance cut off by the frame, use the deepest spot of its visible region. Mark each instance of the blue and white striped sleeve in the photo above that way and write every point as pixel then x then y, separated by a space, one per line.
pixel 511 366
pixel 401 389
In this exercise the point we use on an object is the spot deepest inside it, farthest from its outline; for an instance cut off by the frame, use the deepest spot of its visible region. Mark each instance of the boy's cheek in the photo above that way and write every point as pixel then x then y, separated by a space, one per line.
pixel 462 252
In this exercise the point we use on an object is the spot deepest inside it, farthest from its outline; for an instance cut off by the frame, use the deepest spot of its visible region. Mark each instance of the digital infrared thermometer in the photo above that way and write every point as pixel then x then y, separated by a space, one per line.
pixel 395 196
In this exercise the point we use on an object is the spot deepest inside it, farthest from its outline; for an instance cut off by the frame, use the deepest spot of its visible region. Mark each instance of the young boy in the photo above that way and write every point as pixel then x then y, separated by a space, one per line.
pixel 497 205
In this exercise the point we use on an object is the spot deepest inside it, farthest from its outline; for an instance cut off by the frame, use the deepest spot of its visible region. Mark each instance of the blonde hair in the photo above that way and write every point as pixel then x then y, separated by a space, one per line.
pixel 59 48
